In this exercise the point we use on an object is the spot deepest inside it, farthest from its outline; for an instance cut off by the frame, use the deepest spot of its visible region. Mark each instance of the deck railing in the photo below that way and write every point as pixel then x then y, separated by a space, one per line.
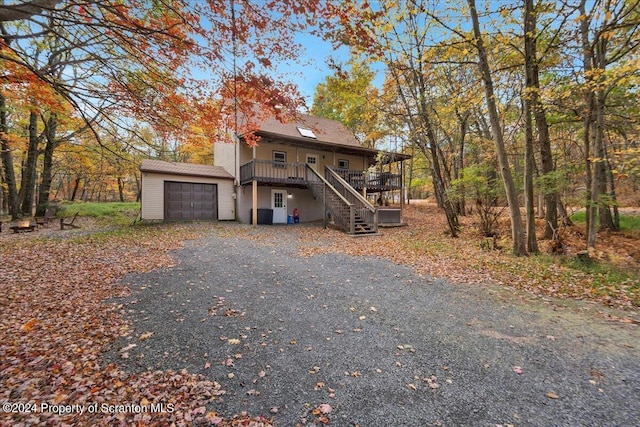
pixel 370 180
pixel 270 171
pixel 295 173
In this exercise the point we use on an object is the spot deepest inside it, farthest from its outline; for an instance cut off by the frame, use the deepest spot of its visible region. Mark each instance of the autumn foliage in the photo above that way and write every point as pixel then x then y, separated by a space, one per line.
pixel 134 79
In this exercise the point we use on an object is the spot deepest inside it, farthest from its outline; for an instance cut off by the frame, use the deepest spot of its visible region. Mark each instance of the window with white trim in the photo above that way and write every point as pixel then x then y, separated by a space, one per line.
pixel 279 159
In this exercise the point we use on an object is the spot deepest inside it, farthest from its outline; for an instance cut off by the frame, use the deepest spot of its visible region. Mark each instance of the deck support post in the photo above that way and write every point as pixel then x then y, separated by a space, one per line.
pixel 254 202
pixel 324 206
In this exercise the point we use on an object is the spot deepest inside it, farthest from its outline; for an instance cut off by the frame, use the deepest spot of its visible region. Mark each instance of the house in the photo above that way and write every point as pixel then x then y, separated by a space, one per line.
pixel 308 170
pixel 183 191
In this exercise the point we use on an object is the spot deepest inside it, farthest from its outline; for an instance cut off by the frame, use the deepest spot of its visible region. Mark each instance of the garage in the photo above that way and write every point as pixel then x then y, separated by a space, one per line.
pixel 185 192
pixel 189 201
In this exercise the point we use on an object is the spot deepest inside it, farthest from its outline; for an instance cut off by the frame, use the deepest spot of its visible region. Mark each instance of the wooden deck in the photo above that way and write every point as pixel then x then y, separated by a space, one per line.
pixel 296 174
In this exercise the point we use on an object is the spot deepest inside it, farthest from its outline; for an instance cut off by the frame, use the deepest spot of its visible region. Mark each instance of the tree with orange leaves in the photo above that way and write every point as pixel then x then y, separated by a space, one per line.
pixel 168 63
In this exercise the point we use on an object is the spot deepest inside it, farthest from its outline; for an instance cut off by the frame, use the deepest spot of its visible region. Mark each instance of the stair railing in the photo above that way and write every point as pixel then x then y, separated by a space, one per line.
pixel 361 206
pixel 342 211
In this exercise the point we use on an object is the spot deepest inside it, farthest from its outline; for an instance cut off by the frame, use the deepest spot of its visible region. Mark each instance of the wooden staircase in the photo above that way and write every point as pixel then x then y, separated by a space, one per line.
pixel 363 227
pixel 349 210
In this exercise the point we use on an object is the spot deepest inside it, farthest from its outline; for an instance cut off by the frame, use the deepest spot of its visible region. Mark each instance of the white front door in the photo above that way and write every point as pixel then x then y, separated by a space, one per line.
pixel 279 206
pixel 312 161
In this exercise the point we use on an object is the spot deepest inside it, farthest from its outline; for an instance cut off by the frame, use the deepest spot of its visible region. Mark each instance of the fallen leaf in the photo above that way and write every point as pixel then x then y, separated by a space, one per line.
pixel 412 387
pixel 145 336
pixel 325 408
pixel 29 325
pixel 517 369
pixel 233 341
pixel 551 395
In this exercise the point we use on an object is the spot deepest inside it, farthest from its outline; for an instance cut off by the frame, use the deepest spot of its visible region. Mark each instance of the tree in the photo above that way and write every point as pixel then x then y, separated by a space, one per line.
pixel 350 97
pixel 399 38
pixel 9 176
pixel 118 64
pixel 610 37
pixel 517 232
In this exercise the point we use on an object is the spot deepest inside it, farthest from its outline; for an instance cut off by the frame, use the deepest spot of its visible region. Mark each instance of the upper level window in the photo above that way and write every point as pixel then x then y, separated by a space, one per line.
pixel 343 164
pixel 279 159
pixel 307 132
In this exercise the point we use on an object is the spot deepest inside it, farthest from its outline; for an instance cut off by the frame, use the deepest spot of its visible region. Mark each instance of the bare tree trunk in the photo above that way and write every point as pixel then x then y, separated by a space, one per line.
pixel 51 126
pixel 13 198
pixel 410 195
pixel 76 185
pixel 529 207
pixel 546 156
pixel 28 184
pixel 612 193
pixel 138 188
pixel 517 231
pixel 528 103
pixel 120 189
pixel 587 58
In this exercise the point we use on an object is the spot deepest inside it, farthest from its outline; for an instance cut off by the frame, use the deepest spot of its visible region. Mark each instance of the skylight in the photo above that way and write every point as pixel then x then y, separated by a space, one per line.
pixel 307 133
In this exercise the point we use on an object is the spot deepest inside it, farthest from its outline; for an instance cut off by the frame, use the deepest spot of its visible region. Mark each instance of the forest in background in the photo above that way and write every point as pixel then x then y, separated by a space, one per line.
pixel 523 104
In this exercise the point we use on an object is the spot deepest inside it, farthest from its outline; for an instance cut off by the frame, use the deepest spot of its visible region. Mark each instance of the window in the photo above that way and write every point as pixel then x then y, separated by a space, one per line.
pixel 278 200
pixel 343 164
pixel 307 133
pixel 279 159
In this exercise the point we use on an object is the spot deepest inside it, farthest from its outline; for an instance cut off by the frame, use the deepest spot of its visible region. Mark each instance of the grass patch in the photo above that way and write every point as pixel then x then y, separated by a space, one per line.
pixel 112 213
pixel 627 222
pixel 608 280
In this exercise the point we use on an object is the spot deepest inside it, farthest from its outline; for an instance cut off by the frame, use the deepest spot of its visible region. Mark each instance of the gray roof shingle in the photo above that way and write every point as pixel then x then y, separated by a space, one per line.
pixel 327 130
pixel 187 169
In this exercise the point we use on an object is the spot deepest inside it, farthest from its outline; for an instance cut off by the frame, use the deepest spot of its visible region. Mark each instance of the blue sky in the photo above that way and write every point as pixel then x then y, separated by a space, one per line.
pixel 313 67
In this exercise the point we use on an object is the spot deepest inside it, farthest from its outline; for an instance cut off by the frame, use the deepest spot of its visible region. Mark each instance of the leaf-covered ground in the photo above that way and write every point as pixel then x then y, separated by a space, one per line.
pixel 56 318
pixel 55 323
pixel 424 245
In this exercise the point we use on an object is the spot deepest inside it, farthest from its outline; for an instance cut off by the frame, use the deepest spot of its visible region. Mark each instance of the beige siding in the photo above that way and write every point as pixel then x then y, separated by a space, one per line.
pixel 355 162
pixel 153 194
pixel 265 152
pixel 224 156
pixel 299 155
pixel 245 153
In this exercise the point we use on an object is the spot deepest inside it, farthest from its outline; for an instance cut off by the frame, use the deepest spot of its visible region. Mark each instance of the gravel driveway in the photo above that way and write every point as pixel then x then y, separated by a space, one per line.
pixel 373 342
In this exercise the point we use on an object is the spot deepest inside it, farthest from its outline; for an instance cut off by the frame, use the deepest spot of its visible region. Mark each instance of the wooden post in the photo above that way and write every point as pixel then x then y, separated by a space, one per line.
pixel 254 192
pixel 254 202
pixel 324 205
pixel 401 188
